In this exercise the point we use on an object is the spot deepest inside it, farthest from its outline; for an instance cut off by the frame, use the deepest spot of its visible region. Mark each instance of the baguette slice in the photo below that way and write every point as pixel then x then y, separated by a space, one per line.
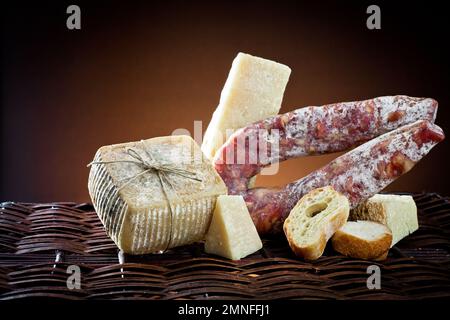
pixel 314 219
pixel 363 240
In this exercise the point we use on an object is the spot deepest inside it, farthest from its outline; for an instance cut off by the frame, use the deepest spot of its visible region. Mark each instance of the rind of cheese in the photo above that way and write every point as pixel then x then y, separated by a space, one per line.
pixel 232 233
pixel 253 91
pixel 397 212
pixel 136 215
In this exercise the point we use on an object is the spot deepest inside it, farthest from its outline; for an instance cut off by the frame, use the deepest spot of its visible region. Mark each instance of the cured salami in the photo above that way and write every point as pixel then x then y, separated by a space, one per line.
pixel 358 174
pixel 314 130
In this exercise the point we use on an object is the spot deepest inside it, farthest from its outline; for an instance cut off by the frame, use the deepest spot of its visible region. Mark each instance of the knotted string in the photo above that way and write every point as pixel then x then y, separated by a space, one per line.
pixel 161 170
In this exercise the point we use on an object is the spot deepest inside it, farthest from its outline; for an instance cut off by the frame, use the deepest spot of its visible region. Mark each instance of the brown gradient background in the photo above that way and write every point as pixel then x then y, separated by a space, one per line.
pixel 142 69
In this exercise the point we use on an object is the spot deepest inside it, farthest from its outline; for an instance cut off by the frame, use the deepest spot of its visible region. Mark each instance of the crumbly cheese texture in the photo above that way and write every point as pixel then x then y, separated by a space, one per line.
pixel 253 91
pixel 137 213
pixel 397 212
pixel 232 233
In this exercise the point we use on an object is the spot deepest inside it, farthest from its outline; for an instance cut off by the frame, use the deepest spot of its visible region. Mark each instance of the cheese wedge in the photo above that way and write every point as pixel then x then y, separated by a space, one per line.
pixel 232 233
pixel 138 214
pixel 397 212
pixel 253 91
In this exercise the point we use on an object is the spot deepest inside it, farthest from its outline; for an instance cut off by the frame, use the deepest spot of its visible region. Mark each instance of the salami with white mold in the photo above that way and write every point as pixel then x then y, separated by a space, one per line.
pixel 358 174
pixel 314 130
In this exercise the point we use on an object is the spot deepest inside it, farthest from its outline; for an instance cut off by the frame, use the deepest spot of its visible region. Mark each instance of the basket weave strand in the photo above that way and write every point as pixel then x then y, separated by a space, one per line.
pixel 38 242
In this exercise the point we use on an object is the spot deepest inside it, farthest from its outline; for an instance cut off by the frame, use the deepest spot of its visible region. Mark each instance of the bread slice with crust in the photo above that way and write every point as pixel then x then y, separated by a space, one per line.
pixel 363 239
pixel 314 219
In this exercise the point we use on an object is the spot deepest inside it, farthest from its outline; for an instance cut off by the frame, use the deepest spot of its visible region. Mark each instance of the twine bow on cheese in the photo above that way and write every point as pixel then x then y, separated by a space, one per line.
pixel 149 164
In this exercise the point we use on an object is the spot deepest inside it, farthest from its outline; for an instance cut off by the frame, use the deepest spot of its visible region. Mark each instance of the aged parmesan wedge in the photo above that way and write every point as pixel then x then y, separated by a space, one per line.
pixel 232 233
pixel 398 212
pixel 253 91
pixel 138 214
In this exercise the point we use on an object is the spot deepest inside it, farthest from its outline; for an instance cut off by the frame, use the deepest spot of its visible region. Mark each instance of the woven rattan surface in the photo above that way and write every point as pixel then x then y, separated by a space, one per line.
pixel 38 242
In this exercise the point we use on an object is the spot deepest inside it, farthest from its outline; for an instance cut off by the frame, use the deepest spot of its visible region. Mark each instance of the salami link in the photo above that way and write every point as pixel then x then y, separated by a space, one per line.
pixel 358 174
pixel 314 130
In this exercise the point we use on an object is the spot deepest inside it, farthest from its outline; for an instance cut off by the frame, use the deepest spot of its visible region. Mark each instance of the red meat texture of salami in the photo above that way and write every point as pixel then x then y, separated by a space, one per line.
pixel 392 134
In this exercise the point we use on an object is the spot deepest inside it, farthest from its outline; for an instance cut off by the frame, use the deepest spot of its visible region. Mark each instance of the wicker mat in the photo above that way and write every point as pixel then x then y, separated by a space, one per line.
pixel 38 242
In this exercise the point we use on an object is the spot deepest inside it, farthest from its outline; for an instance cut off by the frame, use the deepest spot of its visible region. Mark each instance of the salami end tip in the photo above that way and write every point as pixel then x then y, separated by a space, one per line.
pixel 430 132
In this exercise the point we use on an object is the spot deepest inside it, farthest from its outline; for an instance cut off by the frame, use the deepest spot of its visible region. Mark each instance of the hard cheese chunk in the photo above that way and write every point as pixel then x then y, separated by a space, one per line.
pixel 398 212
pixel 232 233
pixel 253 91
pixel 138 214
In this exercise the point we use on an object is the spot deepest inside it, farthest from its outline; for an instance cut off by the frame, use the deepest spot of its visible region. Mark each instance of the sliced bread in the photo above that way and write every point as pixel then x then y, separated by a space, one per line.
pixel 363 240
pixel 314 219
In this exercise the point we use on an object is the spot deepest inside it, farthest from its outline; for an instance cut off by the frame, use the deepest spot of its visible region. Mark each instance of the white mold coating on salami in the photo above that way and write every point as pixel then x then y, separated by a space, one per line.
pixel 358 174
pixel 368 169
pixel 396 111
pixel 317 130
